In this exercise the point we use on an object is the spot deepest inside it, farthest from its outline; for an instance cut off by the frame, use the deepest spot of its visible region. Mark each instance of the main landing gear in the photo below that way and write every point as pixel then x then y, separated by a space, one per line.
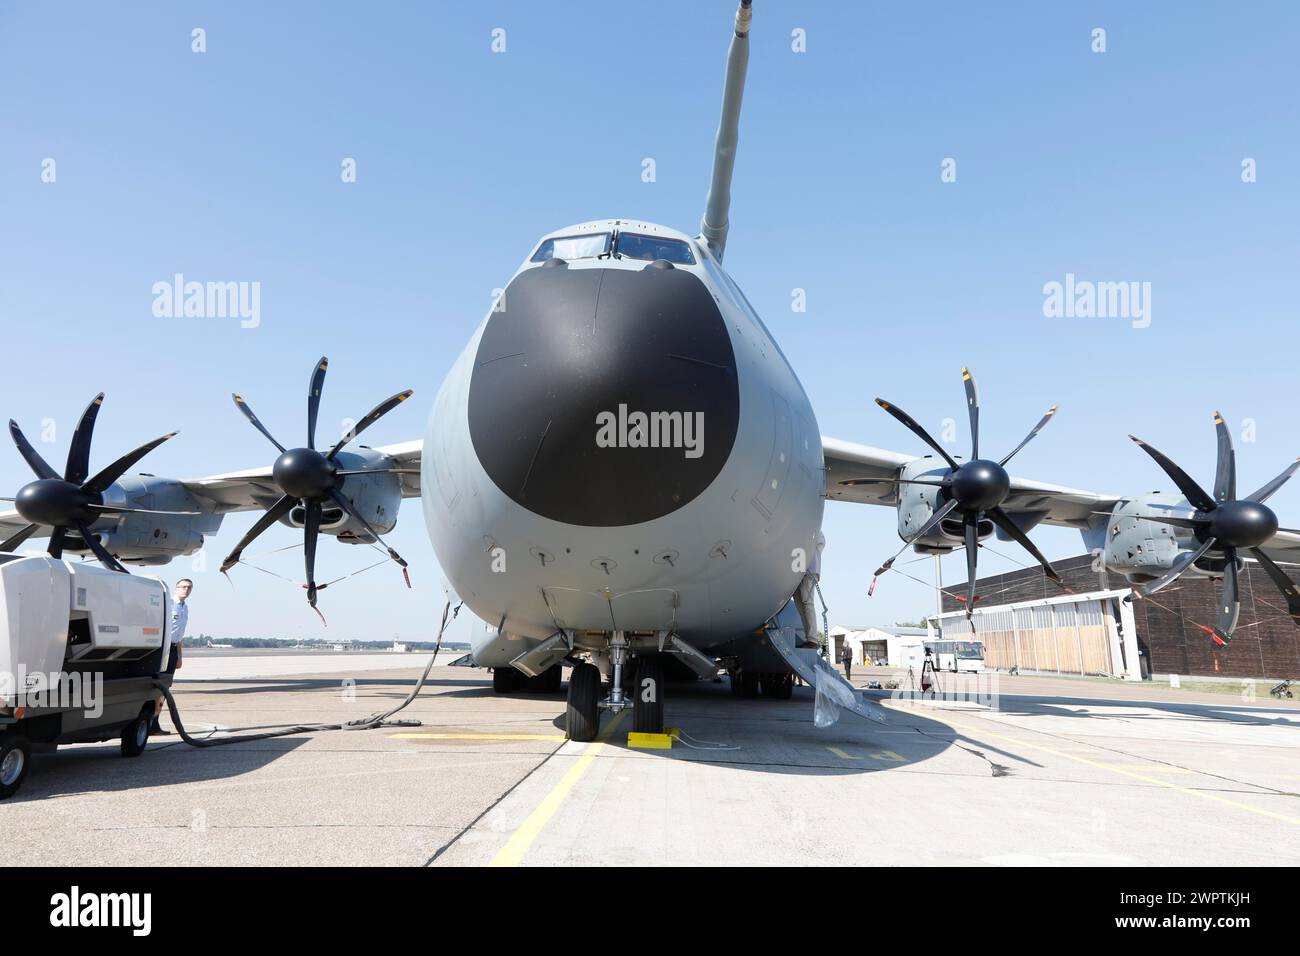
pixel 507 680
pixel 775 686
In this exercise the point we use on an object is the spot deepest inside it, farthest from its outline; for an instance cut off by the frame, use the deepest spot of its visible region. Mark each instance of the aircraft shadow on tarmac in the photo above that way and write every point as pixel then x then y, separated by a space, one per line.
pixel 768 736
pixel 1091 708
pixel 779 736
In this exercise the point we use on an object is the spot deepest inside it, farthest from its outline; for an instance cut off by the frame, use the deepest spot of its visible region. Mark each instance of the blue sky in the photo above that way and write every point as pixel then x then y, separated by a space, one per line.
pixel 225 165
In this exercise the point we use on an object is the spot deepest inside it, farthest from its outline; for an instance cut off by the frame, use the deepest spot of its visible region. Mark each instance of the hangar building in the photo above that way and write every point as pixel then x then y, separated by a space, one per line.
pixel 1027 621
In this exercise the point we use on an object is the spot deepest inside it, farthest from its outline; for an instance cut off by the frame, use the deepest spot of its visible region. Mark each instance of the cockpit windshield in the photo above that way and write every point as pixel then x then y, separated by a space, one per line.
pixel 634 245
pixel 586 246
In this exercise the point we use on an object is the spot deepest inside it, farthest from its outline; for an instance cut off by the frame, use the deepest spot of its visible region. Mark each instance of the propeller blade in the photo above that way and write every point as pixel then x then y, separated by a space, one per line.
pixel 57 538
pixel 926 528
pixel 79 454
pixel 1190 489
pixel 971 533
pixel 917 430
pixel 35 461
pixel 938 483
pixel 1193 523
pixel 1030 437
pixel 116 510
pixel 270 517
pixel 106 559
pixel 13 542
pixel 973 409
pixel 347 506
pixel 376 413
pixel 1290 590
pixel 311 532
pixel 1003 521
pixel 408 471
pixel 313 398
pixel 1168 577
pixel 248 413
pixel 1225 464
pixel 1229 605
pixel 117 469
pixel 1263 494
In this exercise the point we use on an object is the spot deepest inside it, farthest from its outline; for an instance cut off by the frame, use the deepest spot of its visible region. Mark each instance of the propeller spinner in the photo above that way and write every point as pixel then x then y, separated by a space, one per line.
pixel 310 478
pixel 1225 524
pixel 974 489
pixel 73 502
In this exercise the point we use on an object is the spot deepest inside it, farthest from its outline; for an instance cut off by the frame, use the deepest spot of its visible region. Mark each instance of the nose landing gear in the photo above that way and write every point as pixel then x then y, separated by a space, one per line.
pixel 645 696
pixel 582 714
pixel 648 696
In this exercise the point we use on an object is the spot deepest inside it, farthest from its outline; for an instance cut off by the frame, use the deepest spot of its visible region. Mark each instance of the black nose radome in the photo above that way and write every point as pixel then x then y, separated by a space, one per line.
pixel 604 397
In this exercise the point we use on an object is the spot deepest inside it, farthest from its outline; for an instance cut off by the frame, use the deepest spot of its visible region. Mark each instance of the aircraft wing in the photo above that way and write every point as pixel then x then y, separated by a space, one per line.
pixel 862 474
pixel 11 522
pixel 249 490
pixel 253 489
pixel 1283 546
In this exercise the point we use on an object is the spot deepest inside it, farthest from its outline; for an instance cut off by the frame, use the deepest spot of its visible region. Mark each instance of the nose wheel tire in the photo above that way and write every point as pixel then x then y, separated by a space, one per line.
pixel 648 702
pixel 135 736
pixel 15 759
pixel 582 716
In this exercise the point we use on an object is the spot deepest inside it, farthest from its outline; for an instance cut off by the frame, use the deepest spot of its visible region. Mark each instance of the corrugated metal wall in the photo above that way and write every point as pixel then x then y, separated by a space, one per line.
pixel 1266 643
pixel 1068 638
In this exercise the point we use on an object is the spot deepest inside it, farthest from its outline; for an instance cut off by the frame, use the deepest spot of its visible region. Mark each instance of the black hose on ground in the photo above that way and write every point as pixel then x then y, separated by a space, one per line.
pixel 289 730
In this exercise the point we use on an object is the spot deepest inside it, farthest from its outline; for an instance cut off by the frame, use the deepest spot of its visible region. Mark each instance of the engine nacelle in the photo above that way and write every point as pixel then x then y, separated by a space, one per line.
pixel 376 496
pixel 917 503
pixel 154 539
pixel 1142 550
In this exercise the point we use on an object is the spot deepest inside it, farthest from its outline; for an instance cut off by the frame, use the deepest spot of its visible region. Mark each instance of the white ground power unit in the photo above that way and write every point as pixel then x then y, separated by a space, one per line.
pixel 82 653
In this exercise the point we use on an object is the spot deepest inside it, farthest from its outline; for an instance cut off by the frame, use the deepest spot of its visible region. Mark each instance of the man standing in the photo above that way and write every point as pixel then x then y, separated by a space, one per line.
pixel 180 620
pixel 846 657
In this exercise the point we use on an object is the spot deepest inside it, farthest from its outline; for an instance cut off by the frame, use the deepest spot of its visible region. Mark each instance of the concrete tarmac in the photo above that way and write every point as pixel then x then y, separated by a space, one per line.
pixel 1051 772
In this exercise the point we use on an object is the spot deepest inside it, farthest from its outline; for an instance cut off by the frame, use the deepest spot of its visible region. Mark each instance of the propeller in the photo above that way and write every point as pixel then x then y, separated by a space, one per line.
pixel 1224 524
pixel 310 478
pixel 974 489
pixel 73 502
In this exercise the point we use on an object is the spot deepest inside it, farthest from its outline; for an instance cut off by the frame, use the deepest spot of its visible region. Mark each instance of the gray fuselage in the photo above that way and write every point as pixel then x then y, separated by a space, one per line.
pixel 546 500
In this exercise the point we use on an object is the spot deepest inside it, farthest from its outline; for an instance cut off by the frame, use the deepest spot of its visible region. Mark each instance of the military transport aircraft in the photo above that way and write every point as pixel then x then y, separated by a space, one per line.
pixel 622 468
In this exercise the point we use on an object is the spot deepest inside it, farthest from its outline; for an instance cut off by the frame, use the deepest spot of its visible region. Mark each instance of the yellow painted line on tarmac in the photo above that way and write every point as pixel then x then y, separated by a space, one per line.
pixel 415 736
pixel 841 754
pixel 512 854
pixel 888 755
pixel 935 714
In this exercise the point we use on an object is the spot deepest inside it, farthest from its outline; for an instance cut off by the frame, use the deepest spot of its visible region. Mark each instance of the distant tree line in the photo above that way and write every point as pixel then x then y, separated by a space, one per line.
pixel 202 640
